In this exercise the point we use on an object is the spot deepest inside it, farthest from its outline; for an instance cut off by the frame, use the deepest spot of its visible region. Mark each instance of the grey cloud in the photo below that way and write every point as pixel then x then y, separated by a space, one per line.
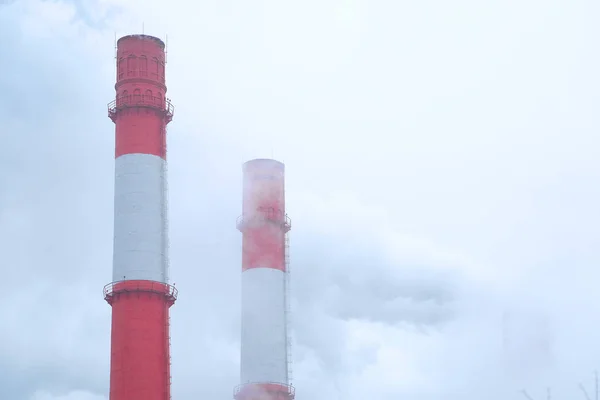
pixel 476 132
pixel 380 297
pixel 71 395
pixel 358 281
pixel 55 246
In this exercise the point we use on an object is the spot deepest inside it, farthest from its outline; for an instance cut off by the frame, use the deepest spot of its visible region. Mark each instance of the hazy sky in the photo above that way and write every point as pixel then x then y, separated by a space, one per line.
pixel 442 167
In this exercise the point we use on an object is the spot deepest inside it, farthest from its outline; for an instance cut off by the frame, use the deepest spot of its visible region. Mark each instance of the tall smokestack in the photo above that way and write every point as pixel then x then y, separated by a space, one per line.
pixel 265 361
pixel 140 295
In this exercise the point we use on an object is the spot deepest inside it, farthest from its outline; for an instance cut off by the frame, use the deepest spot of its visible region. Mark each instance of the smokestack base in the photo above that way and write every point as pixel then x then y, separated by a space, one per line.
pixel 264 391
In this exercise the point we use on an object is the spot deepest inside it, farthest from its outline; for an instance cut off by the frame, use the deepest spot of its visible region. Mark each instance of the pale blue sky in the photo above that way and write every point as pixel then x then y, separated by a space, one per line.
pixel 442 167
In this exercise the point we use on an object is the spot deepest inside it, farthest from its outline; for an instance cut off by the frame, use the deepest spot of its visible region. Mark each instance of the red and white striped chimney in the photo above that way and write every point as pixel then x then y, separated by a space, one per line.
pixel 265 304
pixel 140 294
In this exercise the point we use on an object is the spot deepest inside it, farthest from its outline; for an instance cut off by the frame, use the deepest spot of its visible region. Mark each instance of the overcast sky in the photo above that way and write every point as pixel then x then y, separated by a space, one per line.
pixel 442 179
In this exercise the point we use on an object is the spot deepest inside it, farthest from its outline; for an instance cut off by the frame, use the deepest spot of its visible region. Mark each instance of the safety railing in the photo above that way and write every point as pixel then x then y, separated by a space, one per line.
pixel 140 100
pixel 265 213
pixel 269 387
pixel 113 288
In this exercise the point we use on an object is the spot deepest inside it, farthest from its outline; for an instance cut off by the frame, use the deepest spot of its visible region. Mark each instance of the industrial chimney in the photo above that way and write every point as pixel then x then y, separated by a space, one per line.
pixel 265 344
pixel 140 294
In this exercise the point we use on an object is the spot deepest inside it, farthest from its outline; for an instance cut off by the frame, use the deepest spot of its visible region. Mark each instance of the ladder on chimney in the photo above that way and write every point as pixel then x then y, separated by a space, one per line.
pixel 168 372
pixel 165 219
pixel 288 309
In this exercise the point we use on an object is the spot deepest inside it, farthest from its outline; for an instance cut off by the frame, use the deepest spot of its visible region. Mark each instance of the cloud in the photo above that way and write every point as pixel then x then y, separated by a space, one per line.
pixel 75 395
pixel 372 273
pixel 440 166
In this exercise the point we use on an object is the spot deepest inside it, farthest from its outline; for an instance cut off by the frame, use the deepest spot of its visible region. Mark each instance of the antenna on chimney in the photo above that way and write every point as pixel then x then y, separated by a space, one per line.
pixel 166 47
pixel 115 63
